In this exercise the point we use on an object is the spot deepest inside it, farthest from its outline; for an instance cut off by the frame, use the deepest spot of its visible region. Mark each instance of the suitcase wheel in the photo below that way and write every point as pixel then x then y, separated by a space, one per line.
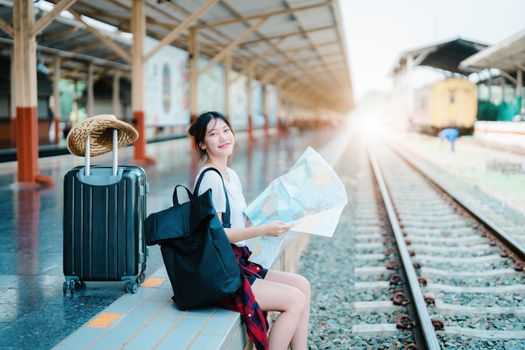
pixel 79 284
pixel 69 287
pixel 132 287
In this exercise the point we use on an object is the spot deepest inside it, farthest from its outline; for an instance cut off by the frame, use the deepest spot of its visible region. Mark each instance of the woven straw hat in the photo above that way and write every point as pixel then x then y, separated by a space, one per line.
pixel 100 127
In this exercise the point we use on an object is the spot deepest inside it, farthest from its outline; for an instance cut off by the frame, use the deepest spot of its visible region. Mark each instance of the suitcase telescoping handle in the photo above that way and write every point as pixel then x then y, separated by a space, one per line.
pixel 88 154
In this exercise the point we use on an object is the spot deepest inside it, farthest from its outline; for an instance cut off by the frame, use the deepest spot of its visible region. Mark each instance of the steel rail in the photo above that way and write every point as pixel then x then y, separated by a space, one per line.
pixel 514 246
pixel 420 306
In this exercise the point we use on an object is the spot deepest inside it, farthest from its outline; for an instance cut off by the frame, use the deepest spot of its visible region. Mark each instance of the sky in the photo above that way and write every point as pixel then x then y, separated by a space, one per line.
pixel 377 31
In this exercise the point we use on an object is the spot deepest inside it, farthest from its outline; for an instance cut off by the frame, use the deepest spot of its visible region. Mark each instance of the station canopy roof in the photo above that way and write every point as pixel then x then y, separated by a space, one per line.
pixel 302 40
pixel 445 55
pixel 507 55
pixel 69 39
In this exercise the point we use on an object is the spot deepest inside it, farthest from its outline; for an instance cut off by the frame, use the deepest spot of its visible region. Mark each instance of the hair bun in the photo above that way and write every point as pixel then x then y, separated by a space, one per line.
pixel 191 129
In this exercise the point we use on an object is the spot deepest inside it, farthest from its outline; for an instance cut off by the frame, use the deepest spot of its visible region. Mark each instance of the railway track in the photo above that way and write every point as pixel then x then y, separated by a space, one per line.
pixel 433 274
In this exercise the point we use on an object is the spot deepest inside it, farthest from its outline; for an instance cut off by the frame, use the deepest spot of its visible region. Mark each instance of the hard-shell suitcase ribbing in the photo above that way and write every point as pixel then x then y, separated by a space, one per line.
pixel 104 213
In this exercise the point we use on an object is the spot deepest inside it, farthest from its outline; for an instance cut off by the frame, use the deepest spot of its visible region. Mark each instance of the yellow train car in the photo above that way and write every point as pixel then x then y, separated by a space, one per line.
pixel 449 103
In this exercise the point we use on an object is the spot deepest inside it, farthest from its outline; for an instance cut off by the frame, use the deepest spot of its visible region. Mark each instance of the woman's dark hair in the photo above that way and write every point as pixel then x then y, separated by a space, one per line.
pixel 198 128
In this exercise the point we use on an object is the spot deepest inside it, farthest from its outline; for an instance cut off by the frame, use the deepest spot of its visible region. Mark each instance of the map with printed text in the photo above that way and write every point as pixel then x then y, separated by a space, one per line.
pixel 311 196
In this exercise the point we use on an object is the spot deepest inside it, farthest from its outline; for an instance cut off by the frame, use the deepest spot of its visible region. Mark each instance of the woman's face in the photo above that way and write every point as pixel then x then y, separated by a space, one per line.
pixel 219 140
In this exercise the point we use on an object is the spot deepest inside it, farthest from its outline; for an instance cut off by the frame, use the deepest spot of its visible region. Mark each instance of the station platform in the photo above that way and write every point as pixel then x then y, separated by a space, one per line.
pixel 34 313
pixel 505 142
pixel 506 136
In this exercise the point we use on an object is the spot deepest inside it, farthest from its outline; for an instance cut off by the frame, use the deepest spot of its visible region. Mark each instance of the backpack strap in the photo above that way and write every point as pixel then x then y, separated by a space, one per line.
pixel 226 216
pixel 175 197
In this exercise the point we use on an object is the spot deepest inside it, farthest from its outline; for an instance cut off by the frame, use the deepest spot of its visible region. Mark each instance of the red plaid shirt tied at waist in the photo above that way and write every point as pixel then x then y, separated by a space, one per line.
pixel 243 301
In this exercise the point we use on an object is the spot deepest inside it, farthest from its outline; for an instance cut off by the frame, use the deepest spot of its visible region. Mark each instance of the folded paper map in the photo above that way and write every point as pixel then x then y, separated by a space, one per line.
pixel 311 196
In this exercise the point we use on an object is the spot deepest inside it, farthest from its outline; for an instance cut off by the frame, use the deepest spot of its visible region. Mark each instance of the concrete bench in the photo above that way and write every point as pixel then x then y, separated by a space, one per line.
pixel 149 319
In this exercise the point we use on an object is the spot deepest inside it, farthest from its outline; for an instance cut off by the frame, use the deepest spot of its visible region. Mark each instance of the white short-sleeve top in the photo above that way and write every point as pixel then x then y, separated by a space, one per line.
pixel 233 187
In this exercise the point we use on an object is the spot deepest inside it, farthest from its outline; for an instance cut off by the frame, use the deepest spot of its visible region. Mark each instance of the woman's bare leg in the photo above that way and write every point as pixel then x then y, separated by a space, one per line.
pixel 300 337
pixel 290 301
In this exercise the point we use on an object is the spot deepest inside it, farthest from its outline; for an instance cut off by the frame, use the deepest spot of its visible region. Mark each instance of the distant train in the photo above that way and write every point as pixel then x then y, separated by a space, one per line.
pixel 449 103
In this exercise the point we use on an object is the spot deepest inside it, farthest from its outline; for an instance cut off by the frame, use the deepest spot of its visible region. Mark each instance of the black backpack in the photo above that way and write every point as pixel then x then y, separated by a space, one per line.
pixel 197 254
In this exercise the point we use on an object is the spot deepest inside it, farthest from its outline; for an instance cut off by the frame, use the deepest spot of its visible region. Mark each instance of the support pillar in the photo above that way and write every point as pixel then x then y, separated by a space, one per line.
pixel 490 86
pixel 12 94
pixel 502 87
pixel 194 74
pixel 249 103
pixel 265 111
pixel 56 98
pixel 138 29
pixel 409 87
pixel 281 129
pixel 75 101
pixel 26 94
pixel 90 110
pixel 520 91
pixel 227 79
pixel 116 94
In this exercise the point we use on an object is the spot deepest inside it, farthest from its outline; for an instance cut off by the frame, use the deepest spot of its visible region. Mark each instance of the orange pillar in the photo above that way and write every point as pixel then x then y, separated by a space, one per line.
pixel 138 29
pixel 140 145
pixel 250 128
pixel 57 128
pixel 249 163
pixel 26 94
pixel 265 111
pixel 280 116
pixel 249 103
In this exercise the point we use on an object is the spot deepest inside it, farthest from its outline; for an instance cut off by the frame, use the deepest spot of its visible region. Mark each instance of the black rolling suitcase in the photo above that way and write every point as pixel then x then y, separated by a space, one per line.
pixel 104 213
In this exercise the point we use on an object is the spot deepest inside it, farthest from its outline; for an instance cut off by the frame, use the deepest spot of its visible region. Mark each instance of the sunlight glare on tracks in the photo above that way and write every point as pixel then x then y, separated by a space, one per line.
pixel 371 127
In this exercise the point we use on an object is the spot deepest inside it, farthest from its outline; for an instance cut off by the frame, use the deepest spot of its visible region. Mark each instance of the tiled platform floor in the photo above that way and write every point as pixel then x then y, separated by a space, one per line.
pixel 150 320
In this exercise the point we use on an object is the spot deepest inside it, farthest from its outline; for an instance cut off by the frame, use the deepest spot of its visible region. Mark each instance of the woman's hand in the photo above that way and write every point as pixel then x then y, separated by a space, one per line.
pixel 275 228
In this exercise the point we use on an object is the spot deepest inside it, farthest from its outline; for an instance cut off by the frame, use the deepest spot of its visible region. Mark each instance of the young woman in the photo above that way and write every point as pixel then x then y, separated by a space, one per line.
pixel 285 292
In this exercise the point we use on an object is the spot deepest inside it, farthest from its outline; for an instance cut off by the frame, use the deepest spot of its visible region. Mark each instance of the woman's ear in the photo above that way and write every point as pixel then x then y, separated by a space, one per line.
pixel 202 146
